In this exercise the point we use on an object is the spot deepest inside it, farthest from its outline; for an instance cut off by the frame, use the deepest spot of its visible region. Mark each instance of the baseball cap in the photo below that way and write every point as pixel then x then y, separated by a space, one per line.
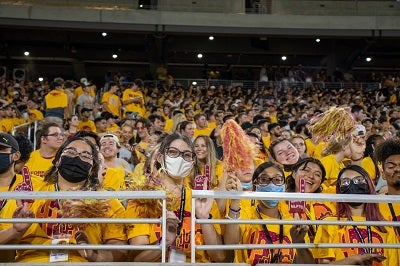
pixel 360 130
pixel 110 136
pixel 84 81
pixel 6 140
pixel 367 119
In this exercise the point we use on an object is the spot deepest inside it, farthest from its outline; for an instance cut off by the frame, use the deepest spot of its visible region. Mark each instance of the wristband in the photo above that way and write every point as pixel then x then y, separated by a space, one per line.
pixel 233 210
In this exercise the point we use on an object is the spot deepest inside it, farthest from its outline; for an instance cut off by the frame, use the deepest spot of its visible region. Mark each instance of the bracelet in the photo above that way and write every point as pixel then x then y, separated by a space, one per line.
pixel 209 217
pixel 233 210
pixel 237 216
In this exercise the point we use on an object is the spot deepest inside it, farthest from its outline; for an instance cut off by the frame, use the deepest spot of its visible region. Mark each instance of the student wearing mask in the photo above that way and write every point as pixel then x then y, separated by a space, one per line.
pixel 173 162
pixel 355 180
pixel 268 177
pixel 75 168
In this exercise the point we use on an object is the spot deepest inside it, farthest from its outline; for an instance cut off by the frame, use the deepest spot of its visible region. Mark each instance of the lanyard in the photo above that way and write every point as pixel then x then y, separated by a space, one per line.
pixel 181 211
pixel 58 200
pixel 394 216
pixel 310 214
pixel 3 202
pixel 275 258
pixel 361 238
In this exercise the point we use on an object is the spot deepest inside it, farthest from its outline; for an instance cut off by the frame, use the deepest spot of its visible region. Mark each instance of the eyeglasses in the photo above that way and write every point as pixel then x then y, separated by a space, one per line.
pixel 345 181
pixel 265 179
pixel 57 135
pixel 175 153
pixel 85 155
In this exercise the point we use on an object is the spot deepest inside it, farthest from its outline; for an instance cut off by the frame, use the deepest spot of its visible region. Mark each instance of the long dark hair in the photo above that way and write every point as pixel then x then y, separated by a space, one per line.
pixel 264 166
pixel 92 183
pixel 302 163
pixel 371 210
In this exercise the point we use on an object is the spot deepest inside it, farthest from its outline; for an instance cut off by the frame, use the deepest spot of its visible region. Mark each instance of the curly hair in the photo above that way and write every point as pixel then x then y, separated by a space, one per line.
pixel 51 176
pixel 387 148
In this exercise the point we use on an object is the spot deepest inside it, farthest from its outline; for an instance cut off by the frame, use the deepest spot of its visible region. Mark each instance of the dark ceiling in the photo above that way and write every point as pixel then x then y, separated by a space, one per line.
pixel 179 51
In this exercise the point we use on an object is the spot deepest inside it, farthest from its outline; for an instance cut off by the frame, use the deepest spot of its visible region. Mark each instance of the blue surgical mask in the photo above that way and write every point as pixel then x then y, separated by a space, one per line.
pixel 270 188
pixel 247 186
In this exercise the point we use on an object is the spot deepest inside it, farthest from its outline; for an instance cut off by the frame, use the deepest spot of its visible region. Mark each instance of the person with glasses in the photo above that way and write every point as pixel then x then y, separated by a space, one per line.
pixel 174 161
pixel 268 177
pixel 75 167
pixel 51 137
pixel 354 180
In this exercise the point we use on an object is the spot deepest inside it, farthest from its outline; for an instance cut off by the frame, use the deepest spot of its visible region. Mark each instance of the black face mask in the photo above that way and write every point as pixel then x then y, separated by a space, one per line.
pixel 5 162
pixel 355 189
pixel 73 169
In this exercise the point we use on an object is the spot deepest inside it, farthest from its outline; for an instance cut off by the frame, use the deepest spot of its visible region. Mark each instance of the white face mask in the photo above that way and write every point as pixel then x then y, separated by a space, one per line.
pixel 177 167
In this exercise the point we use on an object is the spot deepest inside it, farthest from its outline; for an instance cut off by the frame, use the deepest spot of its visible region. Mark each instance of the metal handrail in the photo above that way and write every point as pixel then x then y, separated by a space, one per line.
pixel 20 195
pixel 287 196
pixel 201 194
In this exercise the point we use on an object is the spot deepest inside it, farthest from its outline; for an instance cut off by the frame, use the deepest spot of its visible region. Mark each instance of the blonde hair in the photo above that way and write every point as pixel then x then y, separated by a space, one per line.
pixel 335 146
pixel 210 159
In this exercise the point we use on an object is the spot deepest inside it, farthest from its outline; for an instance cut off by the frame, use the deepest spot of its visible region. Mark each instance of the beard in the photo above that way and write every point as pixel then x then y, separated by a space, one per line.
pixel 396 184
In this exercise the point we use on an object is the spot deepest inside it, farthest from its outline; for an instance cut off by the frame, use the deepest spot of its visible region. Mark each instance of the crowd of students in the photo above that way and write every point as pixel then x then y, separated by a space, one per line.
pixel 146 138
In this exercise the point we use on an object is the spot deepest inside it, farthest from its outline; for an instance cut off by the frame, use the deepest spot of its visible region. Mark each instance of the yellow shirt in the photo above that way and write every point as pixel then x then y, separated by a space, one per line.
pixel 310 147
pixel 6 125
pixel 87 126
pixel 204 131
pixel 182 242
pixel 42 233
pixel 35 114
pixel 37 164
pixel 56 99
pixel 134 107
pixel 211 125
pixel 345 234
pixel 113 102
pixel 267 141
pixel 332 168
pixel 113 128
pixel 318 150
pixel 255 234
pixel 369 166
pixel 168 125
pixel 114 179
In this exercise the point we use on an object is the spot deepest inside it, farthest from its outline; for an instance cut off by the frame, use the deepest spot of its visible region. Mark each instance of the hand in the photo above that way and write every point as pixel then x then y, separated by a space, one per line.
pixel 298 232
pixel 22 211
pixel 203 207
pixel 357 147
pixel 387 135
pixel 172 227
pixel 232 182
pixel 82 239
pixel 364 259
